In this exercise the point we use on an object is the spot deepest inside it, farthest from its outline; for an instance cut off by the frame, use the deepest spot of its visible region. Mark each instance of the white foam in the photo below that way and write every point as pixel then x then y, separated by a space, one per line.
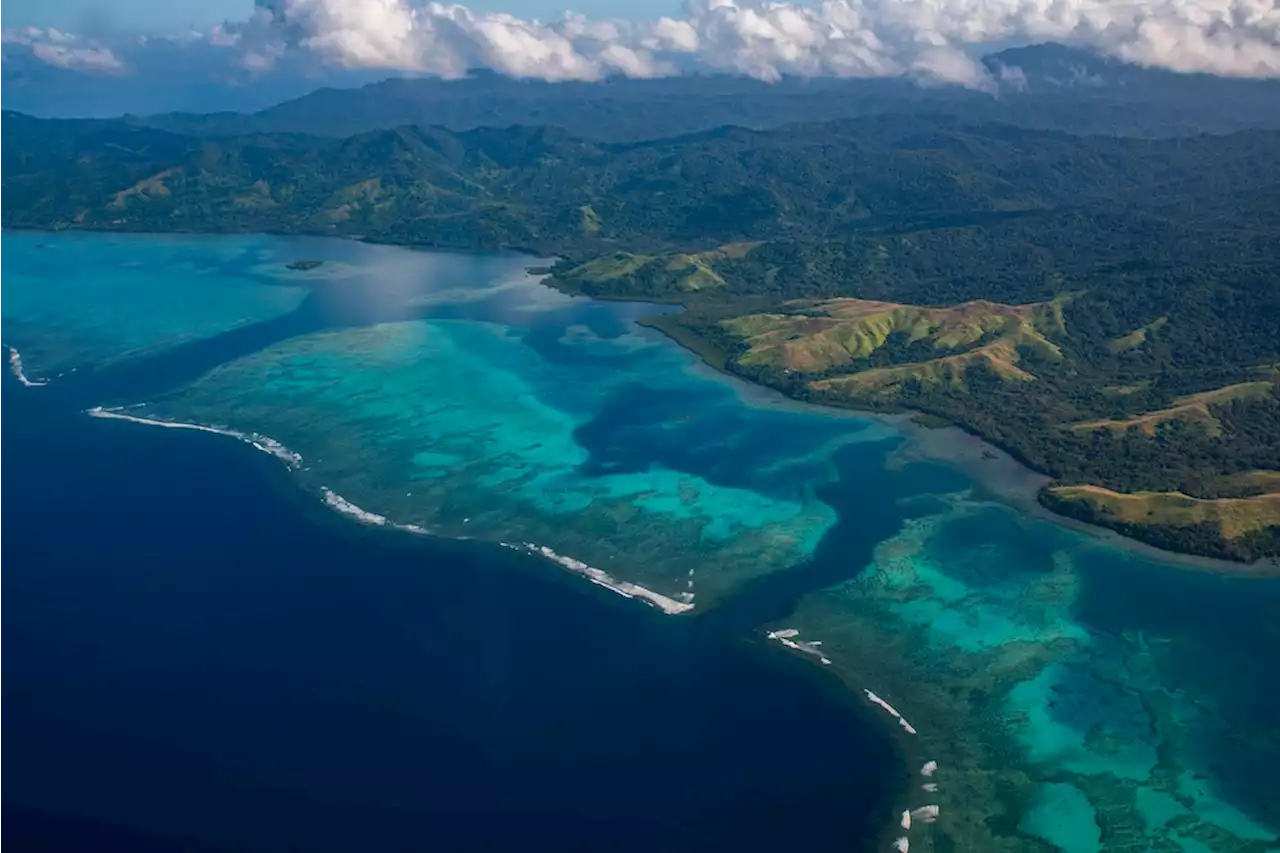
pixel 786 636
pixel 892 710
pixel 346 507
pixel 264 443
pixel 15 365
pixel 906 819
pixel 929 768
pixel 902 845
pixel 602 578
pixel 928 814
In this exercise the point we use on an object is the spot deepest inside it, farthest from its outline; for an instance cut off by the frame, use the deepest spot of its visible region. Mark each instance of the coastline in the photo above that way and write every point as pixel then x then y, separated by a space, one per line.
pixel 1017 485
pixel 1006 478
pixel 1001 482
pixel 1009 480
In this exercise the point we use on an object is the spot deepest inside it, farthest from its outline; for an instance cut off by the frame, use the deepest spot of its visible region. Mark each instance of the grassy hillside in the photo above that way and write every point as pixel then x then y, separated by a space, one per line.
pixel 1229 527
pixel 820 335
pixel 1196 409
pixel 1106 309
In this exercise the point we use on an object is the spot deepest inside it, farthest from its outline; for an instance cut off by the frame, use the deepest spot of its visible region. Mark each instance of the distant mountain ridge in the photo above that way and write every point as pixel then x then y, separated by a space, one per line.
pixel 1049 87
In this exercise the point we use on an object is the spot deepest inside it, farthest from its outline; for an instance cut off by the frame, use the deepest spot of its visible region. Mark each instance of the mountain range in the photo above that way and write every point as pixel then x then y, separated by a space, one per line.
pixel 1043 86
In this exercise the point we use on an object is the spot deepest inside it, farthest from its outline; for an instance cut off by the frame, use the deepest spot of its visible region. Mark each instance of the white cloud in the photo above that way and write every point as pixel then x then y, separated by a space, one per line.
pixel 931 40
pixel 77 58
pixel 64 50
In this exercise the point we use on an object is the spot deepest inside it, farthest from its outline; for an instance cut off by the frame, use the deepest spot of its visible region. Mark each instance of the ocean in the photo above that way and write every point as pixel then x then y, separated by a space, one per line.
pixel 202 655
pixel 199 652
pixel 380 633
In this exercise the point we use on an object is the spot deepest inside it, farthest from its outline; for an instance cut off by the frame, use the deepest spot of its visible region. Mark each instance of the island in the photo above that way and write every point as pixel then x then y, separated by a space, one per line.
pixel 1104 309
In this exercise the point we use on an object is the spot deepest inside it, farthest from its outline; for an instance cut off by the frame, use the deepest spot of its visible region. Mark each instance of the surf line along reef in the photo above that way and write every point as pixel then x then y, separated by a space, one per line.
pixel 923 814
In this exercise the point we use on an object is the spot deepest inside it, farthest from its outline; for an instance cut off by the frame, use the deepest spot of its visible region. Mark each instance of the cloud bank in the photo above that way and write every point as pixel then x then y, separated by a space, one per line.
pixel 932 40
pixel 64 50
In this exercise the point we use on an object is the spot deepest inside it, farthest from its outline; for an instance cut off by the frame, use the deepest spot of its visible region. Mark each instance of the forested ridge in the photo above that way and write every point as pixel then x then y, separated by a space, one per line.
pixel 1150 364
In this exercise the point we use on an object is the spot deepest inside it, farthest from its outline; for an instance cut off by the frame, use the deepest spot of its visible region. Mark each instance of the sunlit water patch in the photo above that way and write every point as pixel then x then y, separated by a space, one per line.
pixel 620 458
pixel 74 301
pixel 1072 694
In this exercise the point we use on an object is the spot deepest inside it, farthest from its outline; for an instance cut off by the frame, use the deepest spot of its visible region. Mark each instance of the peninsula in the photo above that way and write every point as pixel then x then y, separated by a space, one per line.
pixel 1106 309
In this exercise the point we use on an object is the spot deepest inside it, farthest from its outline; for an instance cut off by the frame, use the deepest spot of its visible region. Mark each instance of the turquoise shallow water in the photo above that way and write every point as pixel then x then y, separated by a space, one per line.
pixel 1074 695
pixel 618 459
pixel 73 301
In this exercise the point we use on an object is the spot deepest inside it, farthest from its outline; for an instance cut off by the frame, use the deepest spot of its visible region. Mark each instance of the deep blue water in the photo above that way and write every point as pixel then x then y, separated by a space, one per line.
pixel 198 650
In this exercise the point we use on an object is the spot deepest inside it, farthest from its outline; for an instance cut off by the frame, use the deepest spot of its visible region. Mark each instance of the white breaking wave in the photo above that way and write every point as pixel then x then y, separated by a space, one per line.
pixel 264 443
pixel 336 501
pixel 927 814
pixel 602 578
pixel 924 814
pixel 15 365
pixel 787 637
pixel 892 711
pixel 346 507
pixel 596 576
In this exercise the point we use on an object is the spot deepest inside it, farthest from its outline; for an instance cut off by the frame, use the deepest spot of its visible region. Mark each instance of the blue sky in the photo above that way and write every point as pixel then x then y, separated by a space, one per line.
pixel 168 15
pixel 140 15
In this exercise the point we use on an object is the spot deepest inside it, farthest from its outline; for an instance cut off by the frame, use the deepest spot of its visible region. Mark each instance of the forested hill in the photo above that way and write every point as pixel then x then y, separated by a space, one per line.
pixel 1106 308
pixel 531 186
